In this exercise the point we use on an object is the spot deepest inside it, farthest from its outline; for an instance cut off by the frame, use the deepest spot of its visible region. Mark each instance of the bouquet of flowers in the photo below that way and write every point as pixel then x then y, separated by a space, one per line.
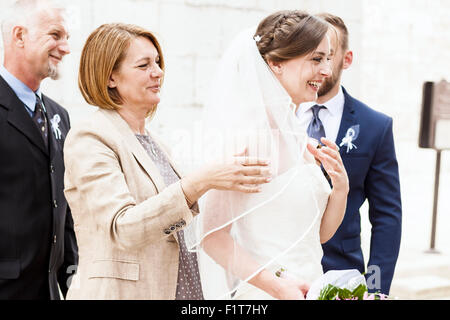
pixel 342 285
pixel 338 285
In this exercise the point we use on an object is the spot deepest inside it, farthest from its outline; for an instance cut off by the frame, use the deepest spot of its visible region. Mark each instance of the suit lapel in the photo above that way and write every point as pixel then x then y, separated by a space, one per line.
pixel 18 117
pixel 348 119
pixel 136 148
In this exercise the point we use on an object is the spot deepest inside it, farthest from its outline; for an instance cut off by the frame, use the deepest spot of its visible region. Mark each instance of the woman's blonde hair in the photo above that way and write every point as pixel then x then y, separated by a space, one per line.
pixel 102 54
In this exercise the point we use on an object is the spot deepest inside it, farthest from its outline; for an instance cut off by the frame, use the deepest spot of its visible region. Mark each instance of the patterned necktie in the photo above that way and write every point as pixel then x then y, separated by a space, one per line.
pixel 317 131
pixel 40 120
pixel 315 128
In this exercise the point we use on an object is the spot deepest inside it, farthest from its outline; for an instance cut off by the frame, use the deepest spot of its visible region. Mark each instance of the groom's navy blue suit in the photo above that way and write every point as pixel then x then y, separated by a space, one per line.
pixel 373 175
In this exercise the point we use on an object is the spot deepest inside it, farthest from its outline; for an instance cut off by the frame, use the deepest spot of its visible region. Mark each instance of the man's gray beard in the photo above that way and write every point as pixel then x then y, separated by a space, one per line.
pixel 53 72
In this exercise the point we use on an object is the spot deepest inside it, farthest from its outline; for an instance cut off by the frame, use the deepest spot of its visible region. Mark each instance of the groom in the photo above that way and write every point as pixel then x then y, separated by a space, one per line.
pixel 367 148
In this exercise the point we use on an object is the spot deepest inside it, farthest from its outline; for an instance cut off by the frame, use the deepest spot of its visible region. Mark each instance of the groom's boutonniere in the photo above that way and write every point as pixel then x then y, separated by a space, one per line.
pixel 55 126
pixel 350 136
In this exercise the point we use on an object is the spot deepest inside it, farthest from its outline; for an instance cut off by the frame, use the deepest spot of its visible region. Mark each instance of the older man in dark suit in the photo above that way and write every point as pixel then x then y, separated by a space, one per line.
pixel 37 241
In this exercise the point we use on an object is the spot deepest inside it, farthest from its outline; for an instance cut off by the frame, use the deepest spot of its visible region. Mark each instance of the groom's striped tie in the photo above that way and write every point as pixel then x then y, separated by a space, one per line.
pixel 316 130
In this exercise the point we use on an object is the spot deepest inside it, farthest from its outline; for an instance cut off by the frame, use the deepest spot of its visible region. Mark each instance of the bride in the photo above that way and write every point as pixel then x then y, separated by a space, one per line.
pixel 242 240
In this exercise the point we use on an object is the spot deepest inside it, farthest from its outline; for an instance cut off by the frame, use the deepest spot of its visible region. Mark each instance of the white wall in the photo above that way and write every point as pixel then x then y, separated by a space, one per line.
pixel 397 46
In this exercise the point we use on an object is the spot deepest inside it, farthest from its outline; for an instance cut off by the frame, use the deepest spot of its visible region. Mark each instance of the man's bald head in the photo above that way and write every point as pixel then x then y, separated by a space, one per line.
pixel 25 13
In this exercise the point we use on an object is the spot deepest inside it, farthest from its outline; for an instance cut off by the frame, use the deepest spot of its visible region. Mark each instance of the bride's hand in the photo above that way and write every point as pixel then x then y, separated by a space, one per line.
pixel 291 289
pixel 332 163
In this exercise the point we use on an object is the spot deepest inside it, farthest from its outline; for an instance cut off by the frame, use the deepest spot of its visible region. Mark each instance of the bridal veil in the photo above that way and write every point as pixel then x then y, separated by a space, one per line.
pixel 248 109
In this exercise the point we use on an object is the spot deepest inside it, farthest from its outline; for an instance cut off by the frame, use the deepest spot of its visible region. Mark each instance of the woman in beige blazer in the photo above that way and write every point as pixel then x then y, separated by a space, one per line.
pixel 128 202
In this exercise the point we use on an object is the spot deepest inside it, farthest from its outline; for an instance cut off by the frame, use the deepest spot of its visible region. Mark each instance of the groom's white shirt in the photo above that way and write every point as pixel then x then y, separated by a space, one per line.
pixel 330 117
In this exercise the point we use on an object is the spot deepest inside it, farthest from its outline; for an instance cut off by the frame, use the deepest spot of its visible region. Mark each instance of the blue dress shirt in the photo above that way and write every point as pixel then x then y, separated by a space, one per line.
pixel 22 91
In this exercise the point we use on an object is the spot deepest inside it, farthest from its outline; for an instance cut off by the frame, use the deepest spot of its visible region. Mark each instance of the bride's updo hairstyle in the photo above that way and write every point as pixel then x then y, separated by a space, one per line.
pixel 288 34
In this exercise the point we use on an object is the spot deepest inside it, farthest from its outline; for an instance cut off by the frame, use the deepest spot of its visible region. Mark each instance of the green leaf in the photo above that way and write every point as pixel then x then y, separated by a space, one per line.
pixel 331 292
pixel 345 294
pixel 328 293
pixel 359 291
pixel 323 292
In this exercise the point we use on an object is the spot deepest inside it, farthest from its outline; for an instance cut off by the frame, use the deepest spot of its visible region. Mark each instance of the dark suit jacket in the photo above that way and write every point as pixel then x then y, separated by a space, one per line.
pixel 373 175
pixel 37 240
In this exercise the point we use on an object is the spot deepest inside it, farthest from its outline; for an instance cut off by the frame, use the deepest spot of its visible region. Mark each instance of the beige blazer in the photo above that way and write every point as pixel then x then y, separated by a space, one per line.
pixel 125 217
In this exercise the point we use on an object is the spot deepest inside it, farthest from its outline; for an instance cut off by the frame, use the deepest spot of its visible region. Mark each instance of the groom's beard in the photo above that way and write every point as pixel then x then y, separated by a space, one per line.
pixel 330 82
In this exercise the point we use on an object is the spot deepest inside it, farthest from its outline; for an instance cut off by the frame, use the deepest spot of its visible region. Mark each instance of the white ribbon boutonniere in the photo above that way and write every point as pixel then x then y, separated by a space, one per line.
pixel 350 136
pixel 55 126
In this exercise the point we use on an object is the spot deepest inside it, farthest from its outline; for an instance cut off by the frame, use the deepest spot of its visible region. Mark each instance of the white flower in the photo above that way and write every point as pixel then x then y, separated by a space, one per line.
pixel 350 136
pixel 55 126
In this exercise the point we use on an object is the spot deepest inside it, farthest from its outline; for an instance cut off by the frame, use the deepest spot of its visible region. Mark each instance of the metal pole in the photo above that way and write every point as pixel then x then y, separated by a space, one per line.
pixel 435 201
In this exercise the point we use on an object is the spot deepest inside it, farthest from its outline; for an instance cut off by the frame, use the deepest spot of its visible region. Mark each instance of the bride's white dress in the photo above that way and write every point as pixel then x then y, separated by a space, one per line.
pixel 273 227
pixel 278 227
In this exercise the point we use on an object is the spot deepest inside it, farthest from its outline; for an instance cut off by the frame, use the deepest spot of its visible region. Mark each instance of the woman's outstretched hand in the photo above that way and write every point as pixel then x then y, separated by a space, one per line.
pixel 239 173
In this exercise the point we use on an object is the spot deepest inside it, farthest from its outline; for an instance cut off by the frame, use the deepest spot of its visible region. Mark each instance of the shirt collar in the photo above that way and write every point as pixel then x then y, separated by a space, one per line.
pixel 335 105
pixel 23 92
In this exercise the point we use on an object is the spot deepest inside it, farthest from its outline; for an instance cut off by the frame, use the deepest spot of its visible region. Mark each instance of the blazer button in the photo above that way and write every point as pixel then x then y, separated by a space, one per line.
pixel 55 204
pixel 167 231
pixel 52 168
